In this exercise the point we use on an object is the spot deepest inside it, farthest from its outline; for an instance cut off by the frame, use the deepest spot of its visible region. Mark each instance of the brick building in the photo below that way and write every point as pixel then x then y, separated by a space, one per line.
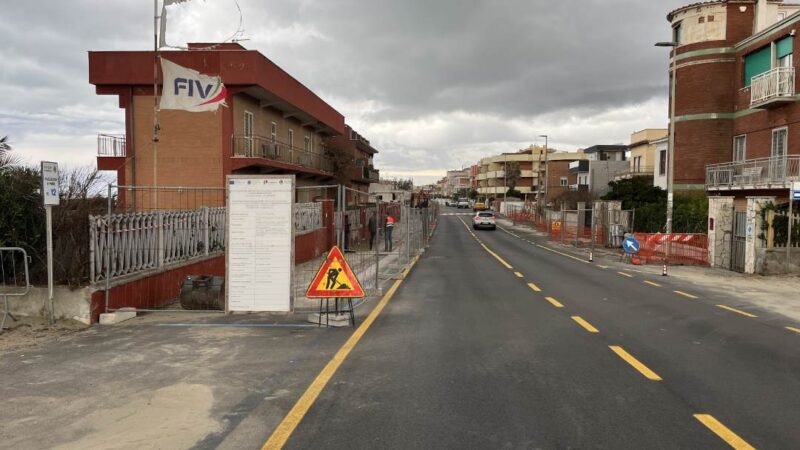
pixel 737 120
pixel 360 169
pixel 273 124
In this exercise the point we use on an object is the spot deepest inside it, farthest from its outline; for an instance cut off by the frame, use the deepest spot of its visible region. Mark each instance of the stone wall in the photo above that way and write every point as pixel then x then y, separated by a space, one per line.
pixel 720 230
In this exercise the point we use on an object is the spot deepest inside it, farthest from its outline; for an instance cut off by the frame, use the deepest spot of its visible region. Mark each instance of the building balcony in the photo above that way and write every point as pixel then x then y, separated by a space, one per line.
pixel 111 151
pixel 259 147
pixel 761 173
pixel 772 88
pixel 634 172
pixel 578 187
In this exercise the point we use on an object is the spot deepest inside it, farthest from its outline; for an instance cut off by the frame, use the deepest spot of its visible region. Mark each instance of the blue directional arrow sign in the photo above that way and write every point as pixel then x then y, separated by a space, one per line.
pixel 631 245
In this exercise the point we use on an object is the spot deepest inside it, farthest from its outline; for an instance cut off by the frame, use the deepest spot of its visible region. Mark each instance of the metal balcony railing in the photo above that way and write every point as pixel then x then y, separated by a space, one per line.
pixel 778 83
pixel 635 172
pixel 776 172
pixel 267 148
pixel 112 145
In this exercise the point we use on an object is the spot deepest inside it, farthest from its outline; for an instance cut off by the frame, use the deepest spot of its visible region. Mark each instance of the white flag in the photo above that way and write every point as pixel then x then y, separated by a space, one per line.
pixel 188 90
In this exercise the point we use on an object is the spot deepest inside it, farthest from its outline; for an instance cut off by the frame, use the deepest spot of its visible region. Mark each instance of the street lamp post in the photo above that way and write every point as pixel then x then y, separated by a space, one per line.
pixel 671 145
pixel 543 183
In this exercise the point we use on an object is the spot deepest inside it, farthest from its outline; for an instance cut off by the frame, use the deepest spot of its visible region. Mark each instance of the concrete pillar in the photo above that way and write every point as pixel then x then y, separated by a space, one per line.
pixel 754 207
pixel 720 230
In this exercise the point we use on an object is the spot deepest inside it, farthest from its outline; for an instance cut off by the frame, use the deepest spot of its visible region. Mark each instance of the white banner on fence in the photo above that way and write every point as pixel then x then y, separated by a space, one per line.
pixel 260 243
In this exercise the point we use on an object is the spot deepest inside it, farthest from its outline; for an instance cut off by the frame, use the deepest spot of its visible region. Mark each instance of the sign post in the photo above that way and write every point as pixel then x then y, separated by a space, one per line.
pixel 794 194
pixel 335 279
pixel 50 197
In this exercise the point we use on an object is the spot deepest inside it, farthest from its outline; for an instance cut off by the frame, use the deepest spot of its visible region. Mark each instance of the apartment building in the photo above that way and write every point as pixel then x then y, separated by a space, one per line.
pixel 602 164
pixel 737 120
pixel 643 155
pixel 272 123
pixel 457 181
pixel 492 179
pixel 558 175
pixel 358 166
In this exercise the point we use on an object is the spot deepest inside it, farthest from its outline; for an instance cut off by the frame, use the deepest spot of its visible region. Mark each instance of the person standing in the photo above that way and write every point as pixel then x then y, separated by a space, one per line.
pixel 387 235
pixel 373 229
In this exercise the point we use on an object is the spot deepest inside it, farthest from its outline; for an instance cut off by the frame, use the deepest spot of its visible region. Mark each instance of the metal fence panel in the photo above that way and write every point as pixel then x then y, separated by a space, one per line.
pixel 14 277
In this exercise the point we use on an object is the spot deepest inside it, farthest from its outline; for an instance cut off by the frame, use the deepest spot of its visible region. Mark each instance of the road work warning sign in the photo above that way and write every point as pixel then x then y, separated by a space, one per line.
pixel 335 279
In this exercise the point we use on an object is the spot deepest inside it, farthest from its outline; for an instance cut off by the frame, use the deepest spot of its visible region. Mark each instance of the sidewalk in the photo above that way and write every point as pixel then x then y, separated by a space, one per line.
pixel 778 294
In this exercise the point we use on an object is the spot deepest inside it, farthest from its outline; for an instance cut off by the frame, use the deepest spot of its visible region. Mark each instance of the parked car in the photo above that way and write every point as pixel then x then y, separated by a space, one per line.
pixel 484 219
pixel 479 206
pixel 463 203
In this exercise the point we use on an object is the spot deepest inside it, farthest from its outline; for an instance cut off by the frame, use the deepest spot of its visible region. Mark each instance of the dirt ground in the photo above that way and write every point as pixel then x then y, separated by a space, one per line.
pixel 27 332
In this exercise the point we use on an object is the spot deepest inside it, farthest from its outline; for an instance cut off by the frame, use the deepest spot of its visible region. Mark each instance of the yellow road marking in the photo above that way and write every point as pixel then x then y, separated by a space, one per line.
pixel 644 370
pixel 625 274
pixel 796 330
pixel 554 302
pixel 723 432
pixel 534 287
pixel 585 324
pixel 284 430
pixel 497 257
pixel 519 275
pixel 737 311
pixel 549 249
pixel 685 294
pixel 652 283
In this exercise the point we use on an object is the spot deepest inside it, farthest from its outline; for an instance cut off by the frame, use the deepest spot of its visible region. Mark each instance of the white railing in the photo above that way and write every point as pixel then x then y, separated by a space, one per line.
pixel 111 145
pixel 776 83
pixel 128 244
pixel 761 172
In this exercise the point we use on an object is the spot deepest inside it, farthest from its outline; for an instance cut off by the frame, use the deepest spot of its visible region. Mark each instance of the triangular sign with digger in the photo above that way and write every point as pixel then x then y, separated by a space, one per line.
pixel 335 279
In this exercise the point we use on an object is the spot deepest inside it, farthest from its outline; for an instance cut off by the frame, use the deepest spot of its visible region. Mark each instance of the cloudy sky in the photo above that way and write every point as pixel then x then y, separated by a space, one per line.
pixel 433 84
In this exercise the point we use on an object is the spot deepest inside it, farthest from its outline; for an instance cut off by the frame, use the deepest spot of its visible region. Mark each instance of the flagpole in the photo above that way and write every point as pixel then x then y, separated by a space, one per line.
pixel 156 126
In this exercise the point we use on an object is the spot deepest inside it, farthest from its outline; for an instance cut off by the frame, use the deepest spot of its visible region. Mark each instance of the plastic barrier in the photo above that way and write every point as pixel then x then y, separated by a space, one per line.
pixel 676 248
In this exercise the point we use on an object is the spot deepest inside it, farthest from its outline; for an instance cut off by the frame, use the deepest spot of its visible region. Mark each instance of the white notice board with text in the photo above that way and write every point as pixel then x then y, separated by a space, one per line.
pixel 260 243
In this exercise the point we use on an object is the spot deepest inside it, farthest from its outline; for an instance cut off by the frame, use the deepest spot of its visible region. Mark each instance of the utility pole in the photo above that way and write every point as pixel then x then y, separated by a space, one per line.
pixel 543 183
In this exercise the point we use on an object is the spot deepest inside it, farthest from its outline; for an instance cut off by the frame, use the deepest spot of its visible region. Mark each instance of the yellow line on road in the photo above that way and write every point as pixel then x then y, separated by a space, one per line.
pixel 585 324
pixel 723 432
pixel 549 249
pixel 796 330
pixel 737 311
pixel 625 274
pixel 644 370
pixel 652 283
pixel 534 287
pixel 284 431
pixel 497 257
pixel 554 302
pixel 685 294
pixel 519 275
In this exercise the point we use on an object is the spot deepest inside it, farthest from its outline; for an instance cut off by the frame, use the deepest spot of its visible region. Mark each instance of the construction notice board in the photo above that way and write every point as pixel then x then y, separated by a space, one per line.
pixel 260 243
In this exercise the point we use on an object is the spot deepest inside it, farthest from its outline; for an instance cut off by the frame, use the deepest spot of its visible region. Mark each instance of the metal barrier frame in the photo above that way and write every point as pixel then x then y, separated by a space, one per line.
pixel 27 288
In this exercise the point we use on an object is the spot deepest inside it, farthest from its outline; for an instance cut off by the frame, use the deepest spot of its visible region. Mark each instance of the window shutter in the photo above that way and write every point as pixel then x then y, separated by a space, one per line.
pixel 784 47
pixel 756 63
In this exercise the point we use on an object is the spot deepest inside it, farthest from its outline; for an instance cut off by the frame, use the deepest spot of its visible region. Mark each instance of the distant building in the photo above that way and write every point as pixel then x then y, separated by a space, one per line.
pixel 660 169
pixel 456 181
pixel 602 164
pixel 559 177
pixel 492 179
pixel 643 156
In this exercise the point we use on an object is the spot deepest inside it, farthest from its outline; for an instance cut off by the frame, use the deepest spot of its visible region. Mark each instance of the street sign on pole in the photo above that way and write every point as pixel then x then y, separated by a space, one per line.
pixel 50 197
pixel 631 245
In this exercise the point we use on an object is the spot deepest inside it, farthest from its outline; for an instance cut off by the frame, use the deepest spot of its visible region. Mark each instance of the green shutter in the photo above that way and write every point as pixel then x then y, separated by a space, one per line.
pixel 784 47
pixel 756 63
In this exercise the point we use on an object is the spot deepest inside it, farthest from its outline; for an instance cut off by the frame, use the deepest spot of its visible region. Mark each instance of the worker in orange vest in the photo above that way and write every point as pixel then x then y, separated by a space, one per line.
pixel 387 235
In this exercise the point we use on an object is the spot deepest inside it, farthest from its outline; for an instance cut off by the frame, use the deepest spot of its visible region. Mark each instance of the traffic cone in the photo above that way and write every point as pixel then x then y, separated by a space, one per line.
pixel 664 270
pixel 591 257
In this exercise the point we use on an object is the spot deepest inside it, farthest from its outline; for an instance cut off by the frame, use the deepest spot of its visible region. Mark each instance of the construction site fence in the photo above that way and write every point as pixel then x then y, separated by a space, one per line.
pixel 595 226
pixel 673 249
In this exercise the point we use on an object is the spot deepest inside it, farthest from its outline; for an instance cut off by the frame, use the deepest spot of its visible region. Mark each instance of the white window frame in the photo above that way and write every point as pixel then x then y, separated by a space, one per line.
pixel 274 131
pixel 564 181
pixel 781 15
pixel 307 143
pixel 785 146
pixel 291 138
pixel 736 139
pixel 662 162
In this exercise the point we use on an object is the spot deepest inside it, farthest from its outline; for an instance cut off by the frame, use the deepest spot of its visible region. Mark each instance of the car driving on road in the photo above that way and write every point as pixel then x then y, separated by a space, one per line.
pixel 463 203
pixel 484 219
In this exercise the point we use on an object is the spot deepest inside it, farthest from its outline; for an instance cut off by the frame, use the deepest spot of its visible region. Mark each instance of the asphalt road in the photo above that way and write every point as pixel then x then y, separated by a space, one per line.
pixel 495 342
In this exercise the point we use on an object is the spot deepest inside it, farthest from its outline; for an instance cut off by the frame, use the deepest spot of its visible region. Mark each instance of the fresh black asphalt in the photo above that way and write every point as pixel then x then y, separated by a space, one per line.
pixel 466 355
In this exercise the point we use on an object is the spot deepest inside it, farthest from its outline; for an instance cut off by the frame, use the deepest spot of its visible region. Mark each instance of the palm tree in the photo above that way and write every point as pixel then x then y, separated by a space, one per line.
pixel 6 159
